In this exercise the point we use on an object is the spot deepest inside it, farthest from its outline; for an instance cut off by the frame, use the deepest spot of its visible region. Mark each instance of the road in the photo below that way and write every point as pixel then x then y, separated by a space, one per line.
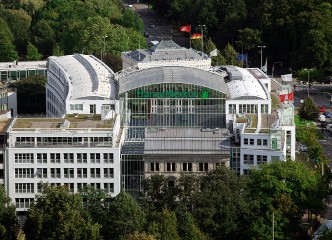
pixel 162 29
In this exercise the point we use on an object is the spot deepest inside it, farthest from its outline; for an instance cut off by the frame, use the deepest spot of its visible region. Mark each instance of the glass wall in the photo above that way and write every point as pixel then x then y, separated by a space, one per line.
pixel 174 105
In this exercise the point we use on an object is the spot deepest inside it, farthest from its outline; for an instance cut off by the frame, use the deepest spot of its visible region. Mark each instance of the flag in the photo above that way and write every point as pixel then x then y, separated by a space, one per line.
pixel 185 28
pixel 286 97
pixel 214 53
pixel 197 36
pixel 242 58
pixel 286 77
pixel 264 68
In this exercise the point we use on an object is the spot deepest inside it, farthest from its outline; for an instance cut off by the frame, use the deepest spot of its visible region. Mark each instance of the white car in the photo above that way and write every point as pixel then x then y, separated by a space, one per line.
pixel 303 147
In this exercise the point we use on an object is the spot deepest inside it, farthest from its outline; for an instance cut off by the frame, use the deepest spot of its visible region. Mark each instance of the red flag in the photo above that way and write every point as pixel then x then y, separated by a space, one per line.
pixel 185 28
pixel 196 36
pixel 282 97
pixel 291 96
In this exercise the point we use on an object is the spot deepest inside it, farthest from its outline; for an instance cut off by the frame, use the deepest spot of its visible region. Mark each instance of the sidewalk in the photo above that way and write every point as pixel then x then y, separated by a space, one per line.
pixel 328 214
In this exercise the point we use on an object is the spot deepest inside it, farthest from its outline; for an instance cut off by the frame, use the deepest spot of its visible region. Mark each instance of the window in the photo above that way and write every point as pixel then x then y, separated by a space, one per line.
pixel 82 172
pixel 95 185
pixel 55 173
pixel 41 158
pixel 77 107
pixel 275 158
pixel 108 172
pixel 232 108
pixel 24 188
pixel 259 142
pixel 68 172
pixel 23 202
pixel 170 167
pixel 81 186
pixel 41 172
pixel 109 187
pixel 274 144
pixel 261 159
pixel 252 141
pixel 95 172
pixel 245 141
pixel 24 158
pixel 248 159
pixel 93 108
pixel 187 167
pixel 203 167
pixel 94 157
pixel 24 173
pixel 108 158
pixel 246 171
pixel 154 167
pixel 68 157
pixel 265 142
pixel 55 157
pixel 82 158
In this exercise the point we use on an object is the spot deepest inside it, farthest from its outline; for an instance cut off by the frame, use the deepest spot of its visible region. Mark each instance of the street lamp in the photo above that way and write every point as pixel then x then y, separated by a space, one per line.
pixel 308 80
pixel 104 50
pixel 262 55
pixel 273 66
pixel 202 35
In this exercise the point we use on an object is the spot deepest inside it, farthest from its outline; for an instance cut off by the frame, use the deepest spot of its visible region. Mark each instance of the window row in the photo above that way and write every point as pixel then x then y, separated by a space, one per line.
pixel 251 141
pixel 65 173
pixel 173 167
pixel 249 159
pixel 248 108
pixel 64 158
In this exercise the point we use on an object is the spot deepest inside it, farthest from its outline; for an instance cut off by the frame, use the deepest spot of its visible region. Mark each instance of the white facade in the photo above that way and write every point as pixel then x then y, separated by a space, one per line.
pixel 79 84
pixel 59 156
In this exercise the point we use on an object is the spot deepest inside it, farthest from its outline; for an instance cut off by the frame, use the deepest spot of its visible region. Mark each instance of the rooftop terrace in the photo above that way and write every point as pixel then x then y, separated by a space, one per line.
pixel 69 122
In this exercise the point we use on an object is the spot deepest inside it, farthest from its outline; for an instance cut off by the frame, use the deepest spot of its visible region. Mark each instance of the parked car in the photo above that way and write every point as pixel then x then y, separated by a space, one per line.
pixel 327 114
pixel 152 26
pixel 303 147
pixel 321 118
pixel 129 5
pixel 146 34
pixel 322 109
pixel 329 127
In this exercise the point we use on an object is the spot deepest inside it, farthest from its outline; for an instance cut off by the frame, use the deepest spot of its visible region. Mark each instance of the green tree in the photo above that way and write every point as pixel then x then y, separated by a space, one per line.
pixel 230 54
pixel 57 51
pixel 31 94
pixel 157 195
pixel 288 189
pixel 131 19
pixel 125 216
pixel 223 206
pixel 44 37
pixel 308 110
pixel 7 48
pixel 187 228
pixel 7 216
pixel 139 236
pixel 163 225
pixel 32 53
pixel 57 214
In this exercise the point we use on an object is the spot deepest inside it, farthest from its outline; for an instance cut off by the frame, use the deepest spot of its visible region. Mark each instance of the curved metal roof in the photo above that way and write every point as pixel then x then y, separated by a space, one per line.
pixel 171 74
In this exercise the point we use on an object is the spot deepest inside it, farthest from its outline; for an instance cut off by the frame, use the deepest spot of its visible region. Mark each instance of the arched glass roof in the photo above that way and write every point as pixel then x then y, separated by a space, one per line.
pixel 171 74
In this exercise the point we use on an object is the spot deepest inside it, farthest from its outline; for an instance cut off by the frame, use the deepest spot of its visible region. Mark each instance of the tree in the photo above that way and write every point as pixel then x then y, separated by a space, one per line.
pixel 163 225
pixel 308 110
pixel 125 217
pixel 139 236
pixel 157 195
pixel 230 54
pixel 223 206
pixel 286 189
pixel 31 94
pixel 32 53
pixel 7 48
pixel 57 51
pixel 57 214
pixel 7 216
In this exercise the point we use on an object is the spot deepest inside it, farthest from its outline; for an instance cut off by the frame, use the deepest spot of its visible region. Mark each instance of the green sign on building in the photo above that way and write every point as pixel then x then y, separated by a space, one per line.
pixel 173 94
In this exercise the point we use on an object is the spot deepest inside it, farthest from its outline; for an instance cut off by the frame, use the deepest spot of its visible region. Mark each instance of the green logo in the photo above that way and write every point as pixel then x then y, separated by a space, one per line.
pixel 205 94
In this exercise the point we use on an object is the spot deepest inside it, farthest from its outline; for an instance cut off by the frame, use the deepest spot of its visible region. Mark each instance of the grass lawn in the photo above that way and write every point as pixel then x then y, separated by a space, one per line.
pixel 303 123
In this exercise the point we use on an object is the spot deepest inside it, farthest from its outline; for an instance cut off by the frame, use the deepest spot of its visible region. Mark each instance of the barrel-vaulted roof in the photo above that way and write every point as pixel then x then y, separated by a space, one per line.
pixel 171 74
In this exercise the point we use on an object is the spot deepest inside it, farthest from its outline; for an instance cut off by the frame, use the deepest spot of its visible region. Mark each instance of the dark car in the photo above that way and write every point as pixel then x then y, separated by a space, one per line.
pixel 152 26
pixel 146 34
pixel 327 115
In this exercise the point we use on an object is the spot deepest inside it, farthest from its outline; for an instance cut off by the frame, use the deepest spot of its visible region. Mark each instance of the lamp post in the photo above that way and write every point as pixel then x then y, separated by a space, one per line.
pixel 202 35
pixel 308 81
pixel 104 50
pixel 262 54
pixel 273 66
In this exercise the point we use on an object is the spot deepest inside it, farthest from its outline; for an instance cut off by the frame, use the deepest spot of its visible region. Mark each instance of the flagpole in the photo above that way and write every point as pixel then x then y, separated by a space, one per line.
pixel 190 37
pixel 202 36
